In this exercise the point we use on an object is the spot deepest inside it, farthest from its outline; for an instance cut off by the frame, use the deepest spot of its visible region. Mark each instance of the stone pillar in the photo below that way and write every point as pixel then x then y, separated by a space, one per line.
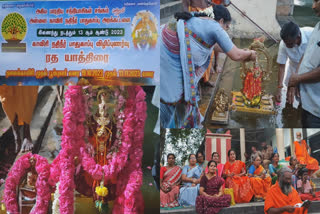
pixel 291 143
pixel 242 144
pixel 280 143
pixel 220 143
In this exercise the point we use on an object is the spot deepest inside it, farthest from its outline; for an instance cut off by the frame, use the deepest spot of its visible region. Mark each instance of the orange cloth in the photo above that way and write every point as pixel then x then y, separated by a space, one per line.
pixel 216 1
pixel 303 156
pixel 276 199
pixel 195 9
pixel 20 101
pixel 241 185
pixel 260 186
pixel 206 75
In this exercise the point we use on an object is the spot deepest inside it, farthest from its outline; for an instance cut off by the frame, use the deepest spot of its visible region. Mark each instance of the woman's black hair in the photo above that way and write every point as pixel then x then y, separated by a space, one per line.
pixel 186 15
pixel 190 156
pixel 211 162
pixel 301 171
pixel 291 159
pixel 219 11
pixel 231 150
pixel 213 153
pixel 273 154
pixel 200 152
pixel 171 154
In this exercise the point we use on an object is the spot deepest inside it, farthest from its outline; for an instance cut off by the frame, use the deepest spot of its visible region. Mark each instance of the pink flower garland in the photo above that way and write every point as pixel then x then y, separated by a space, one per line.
pixel 129 142
pixel 71 140
pixel 129 197
pixel 43 188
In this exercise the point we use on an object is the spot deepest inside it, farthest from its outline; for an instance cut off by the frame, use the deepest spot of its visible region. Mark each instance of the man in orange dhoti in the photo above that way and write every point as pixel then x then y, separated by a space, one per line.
pixel 282 197
pixel 302 154
pixel 18 103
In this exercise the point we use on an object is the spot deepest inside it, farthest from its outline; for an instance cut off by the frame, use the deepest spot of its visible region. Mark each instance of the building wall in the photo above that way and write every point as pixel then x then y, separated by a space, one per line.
pixel 261 11
pixel 285 7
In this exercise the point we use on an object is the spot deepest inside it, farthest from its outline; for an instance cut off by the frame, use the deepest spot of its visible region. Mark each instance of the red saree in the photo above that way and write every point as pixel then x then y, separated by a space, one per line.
pixel 310 197
pixel 171 178
pixel 241 185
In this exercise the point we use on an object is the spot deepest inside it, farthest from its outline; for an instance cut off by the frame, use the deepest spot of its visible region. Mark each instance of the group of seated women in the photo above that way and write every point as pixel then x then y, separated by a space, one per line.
pixel 195 185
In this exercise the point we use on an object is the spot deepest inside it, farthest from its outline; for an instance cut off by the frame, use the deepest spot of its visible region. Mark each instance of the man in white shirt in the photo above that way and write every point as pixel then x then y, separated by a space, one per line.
pixel 291 49
pixel 308 78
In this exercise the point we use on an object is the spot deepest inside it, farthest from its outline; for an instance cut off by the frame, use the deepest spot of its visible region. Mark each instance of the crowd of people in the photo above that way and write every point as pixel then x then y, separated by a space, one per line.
pixel 211 186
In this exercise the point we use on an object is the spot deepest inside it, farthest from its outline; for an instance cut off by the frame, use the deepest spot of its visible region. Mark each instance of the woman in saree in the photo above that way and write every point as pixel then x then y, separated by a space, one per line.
pixel 215 157
pixel 201 162
pixel 185 48
pixel 191 182
pixel 170 177
pixel 211 198
pixel 234 172
pixel 293 165
pixel 260 181
pixel 274 166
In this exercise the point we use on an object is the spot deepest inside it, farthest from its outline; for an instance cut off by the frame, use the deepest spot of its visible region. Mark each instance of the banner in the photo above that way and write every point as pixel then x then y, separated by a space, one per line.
pixel 53 42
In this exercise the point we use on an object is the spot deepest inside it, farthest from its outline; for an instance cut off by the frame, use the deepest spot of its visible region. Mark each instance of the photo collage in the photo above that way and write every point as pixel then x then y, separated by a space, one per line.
pixel 159 106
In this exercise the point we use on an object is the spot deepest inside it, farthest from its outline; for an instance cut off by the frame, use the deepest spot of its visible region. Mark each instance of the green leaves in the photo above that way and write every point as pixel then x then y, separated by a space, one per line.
pixel 14 23
pixel 182 142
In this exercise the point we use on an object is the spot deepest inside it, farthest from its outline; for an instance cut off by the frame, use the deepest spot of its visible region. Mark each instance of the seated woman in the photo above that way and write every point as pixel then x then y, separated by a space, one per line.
pixel 274 166
pixel 201 161
pixel 211 198
pixel 293 165
pixel 215 157
pixel 304 187
pixel 186 47
pixel 234 172
pixel 260 181
pixel 170 177
pixel 191 182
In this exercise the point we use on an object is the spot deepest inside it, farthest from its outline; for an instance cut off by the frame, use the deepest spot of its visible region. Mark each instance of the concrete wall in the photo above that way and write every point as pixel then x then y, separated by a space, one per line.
pixel 312 131
pixel 263 12
pixel 285 7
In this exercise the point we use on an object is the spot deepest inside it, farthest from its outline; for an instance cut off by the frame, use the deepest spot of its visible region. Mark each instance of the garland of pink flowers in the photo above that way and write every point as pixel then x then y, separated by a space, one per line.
pixel 131 115
pixel 71 140
pixel 43 188
pixel 129 197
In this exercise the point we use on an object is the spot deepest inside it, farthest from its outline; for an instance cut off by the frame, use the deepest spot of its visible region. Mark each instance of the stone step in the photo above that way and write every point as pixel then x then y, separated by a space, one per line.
pixel 169 8
pixel 245 208
pixel 316 180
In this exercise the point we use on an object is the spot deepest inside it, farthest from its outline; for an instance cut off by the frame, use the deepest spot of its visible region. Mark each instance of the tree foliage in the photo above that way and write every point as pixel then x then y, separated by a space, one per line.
pixel 14 23
pixel 182 142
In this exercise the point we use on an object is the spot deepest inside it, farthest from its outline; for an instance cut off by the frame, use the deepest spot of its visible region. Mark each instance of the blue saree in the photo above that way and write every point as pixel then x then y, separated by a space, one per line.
pixel 189 193
pixel 185 55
